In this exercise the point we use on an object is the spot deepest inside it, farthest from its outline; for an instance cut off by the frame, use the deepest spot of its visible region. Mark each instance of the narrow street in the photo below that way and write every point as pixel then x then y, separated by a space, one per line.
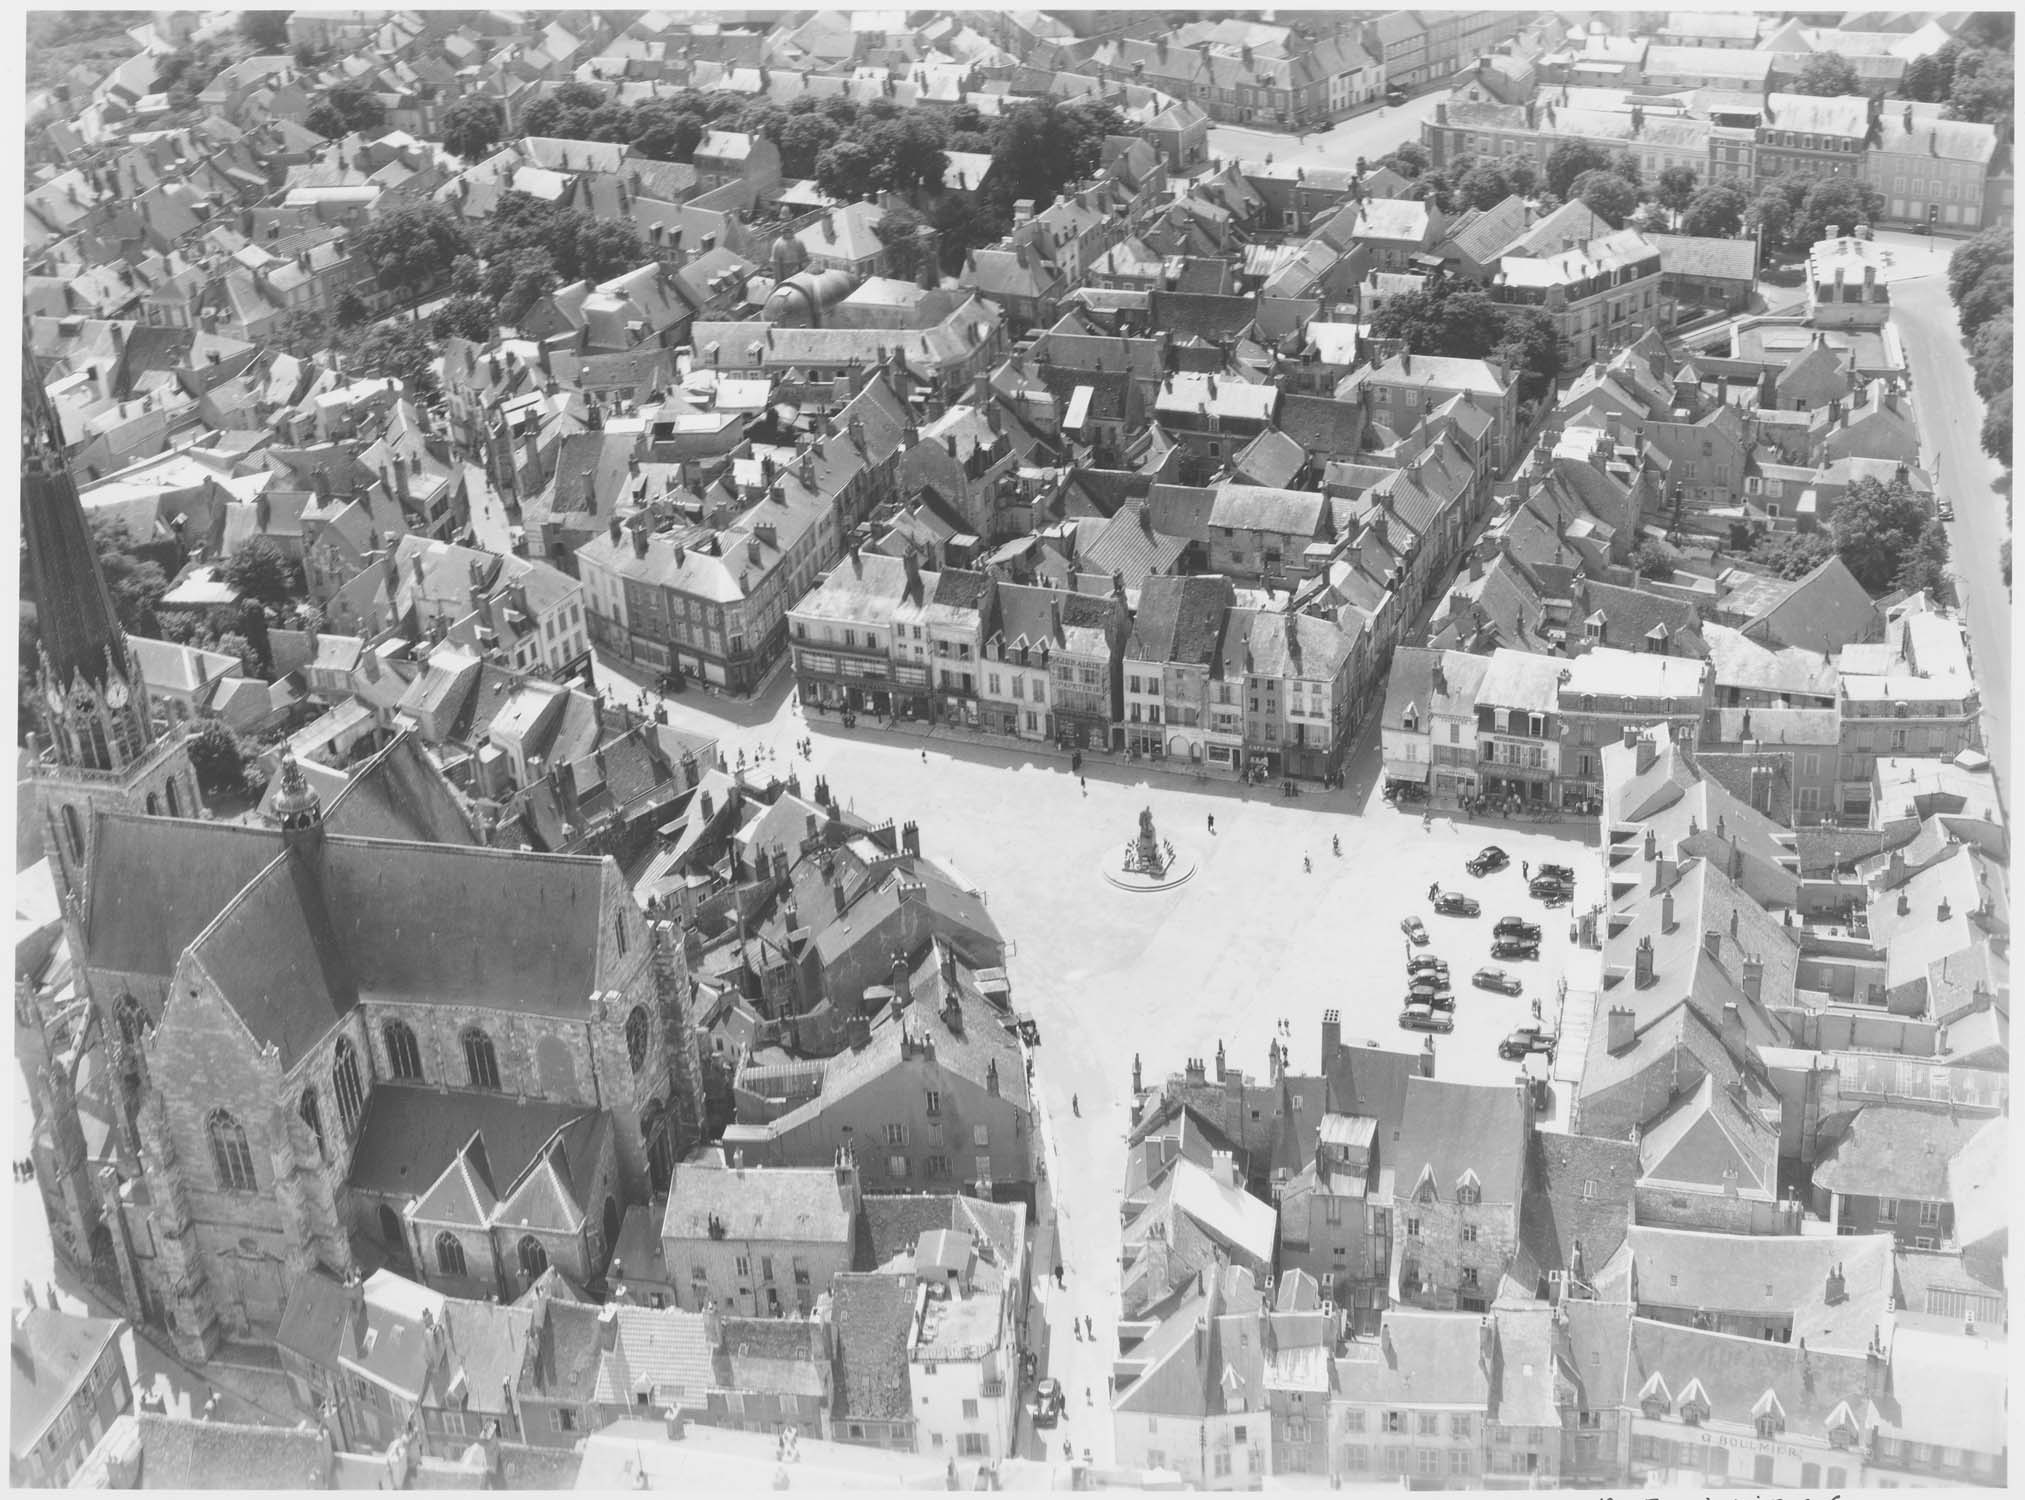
pixel 1951 422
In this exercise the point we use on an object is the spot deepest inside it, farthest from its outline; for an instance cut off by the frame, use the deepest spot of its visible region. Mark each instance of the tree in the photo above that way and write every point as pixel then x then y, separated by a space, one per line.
pixel 1976 255
pixel 344 108
pixel 465 318
pixel 1522 174
pixel 1625 165
pixel 1408 159
pixel 1988 298
pixel 1484 186
pixel 1771 215
pixel 1792 554
pixel 1570 160
pixel 908 241
pixel 1716 211
pixel 576 94
pixel 261 571
pixel 1653 559
pixel 1529 346
pixel 218 758
pixel 350 310
pixel 1983 88
pixel 135 582
pixel 1928 79
pixel 1676 188
pixel 402 351
pixel 1828 75
pixel 1043 144
pixel 1842 201
pixel 907 153
pixel 472 127
pixel 1881 537
pixel 1607 195
pixel 664 133
pixel 411 246
pixel 1997 429
pixel 1990 356
pixel 803 138
pixel 265 31
pixel 846 171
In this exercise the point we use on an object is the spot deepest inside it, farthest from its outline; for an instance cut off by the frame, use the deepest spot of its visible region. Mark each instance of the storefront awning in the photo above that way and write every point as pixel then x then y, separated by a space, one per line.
pixel 1414 771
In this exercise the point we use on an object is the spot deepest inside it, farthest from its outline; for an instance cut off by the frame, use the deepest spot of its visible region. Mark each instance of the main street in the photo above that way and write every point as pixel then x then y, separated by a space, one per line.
pixel 1951 422
pixel 1370 135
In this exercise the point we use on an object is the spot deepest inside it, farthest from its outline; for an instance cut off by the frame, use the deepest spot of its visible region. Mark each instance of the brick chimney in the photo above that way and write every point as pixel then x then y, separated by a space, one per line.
pixel 1332 1034
pixel 1754 980
pixel 1622 1028
pixel 1641 963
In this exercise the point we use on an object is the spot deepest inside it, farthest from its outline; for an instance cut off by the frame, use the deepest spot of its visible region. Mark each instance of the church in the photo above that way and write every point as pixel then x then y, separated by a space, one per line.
pixel 345 1036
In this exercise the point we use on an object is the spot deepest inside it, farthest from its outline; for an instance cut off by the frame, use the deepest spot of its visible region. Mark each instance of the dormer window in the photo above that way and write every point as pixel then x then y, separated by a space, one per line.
pixel 1770 1427
pixel 1410 721
pixel 1692 1413
pixel 1654 1399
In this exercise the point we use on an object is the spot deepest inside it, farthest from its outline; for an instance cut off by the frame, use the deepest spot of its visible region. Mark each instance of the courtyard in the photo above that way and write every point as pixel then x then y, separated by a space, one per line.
pixel 1252 939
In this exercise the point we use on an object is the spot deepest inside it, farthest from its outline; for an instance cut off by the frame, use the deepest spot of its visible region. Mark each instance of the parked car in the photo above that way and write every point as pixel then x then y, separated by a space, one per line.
pixel 1423 988
pixel 1552 892
pixel 1524 1041
pixel 1404 792
pixel 1047 1403
pixel 1487 859
pixel 1496 979
pixel 1517 927
pixel 1946 509
pixel 1561 873
pixel 1455 904
pixel 1418 1017
pixel 1426 965
pixel 1415 932
pixel 1511 947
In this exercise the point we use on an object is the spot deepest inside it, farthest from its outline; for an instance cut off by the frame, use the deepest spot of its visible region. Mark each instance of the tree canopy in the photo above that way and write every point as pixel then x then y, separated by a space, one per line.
pixel 1570 160
pixel 1676 187
pixel 344 108
pixel 1607 195
pixel 1829 75
pixel 1716 212
pixel 1887 538
pixel 1974 256
pixel 260 570
pixel 1458 321
pixel 411 246
pixel 472 127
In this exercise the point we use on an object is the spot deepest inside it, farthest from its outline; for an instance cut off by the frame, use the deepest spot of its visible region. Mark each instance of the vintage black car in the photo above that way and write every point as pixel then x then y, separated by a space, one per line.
pixel 1517 927
pixel 1487 859
pixel 1455 904
pixel 1524 1041
pixel 1511 947
pixel 1418 1017
pixel 1496 979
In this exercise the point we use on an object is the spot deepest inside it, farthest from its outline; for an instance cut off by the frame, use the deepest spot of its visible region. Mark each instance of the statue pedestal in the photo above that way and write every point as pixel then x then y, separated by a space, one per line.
pixel 1172 865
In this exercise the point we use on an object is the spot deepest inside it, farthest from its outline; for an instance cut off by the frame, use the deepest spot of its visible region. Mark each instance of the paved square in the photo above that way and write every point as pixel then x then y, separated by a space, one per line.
pixel 1250 939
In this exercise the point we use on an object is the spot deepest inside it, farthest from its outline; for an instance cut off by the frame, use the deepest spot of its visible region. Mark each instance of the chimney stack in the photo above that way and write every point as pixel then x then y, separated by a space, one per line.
pixel 1622 1026
pixel 1641 961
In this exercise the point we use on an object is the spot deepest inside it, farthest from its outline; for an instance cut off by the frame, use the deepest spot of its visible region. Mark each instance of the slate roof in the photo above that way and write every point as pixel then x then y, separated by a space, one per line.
pixel 799 1204
pixel 873 1316
pixel 1561 1213
pixel 1449 1129
pixel 1896 1151
pixel 412 1133
pixel 53 1353
pixel 1735 1373
pixel 1420 1360
pixel 1717 259
pixel 564 1354
pixel 895 1224
pixel 182 1453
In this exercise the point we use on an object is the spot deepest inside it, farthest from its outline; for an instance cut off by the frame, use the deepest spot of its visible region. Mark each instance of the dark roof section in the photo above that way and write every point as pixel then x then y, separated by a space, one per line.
pixel 1561 1211
pixel 873 1314
pixel 399 794
pixel 411 1132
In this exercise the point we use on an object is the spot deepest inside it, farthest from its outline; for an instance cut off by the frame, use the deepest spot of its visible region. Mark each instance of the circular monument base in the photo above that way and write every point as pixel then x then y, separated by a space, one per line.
pixel 1180 870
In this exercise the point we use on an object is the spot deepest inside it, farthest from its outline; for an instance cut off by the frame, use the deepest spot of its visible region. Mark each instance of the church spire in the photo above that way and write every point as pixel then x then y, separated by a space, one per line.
pixel 90 699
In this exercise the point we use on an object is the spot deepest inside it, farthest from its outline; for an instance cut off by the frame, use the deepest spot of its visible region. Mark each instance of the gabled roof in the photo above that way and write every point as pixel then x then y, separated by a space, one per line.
pixel 1455 1132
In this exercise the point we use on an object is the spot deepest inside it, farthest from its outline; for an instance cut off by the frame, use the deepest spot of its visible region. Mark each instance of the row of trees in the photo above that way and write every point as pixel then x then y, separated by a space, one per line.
pixel 1456 320
pixel 1979 282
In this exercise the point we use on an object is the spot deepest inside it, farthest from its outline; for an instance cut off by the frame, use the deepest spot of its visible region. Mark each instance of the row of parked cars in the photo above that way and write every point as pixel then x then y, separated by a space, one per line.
pixel 1430 999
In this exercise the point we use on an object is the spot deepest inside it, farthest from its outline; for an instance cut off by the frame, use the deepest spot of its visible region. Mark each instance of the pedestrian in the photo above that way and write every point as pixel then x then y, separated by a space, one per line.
pixel 1058 1275
pixel 1307 864
pixel 1212 824
pixel 1085 781
pixel 1090 1327
pixel 924 757
pixel 1076 1104
pixel 1433 886
pixel 1077 1329
pixel 1525 869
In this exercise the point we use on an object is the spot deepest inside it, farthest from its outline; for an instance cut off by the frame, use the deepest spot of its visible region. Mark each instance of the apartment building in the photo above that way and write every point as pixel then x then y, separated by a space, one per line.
pixel 1409 1406
pixel 1606 691
pixel 1911 694
pixel 762 1241
pixel 1518 730
pixel 1930 170
pixel 1808 136
pixel 1598 295
pixel 1404 389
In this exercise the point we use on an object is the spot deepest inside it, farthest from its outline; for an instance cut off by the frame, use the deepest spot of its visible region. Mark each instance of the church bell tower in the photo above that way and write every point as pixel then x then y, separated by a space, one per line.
pixel 99 747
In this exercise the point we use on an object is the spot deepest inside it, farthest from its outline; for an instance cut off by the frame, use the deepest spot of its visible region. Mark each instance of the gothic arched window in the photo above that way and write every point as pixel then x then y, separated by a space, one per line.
pixel 636 1037
pixel 449 1254
pixel 230 1153
pixel 312 1116
pixel 175 799
pixel 404 1057
pixel 154 805
pixel 73 831
pixel 134 1022
pixel 533 1259
pixel 481 1061
pixel 345 1075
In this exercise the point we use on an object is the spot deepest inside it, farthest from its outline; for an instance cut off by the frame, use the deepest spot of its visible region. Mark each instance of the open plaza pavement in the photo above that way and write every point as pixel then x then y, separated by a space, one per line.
pixel 1251 940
